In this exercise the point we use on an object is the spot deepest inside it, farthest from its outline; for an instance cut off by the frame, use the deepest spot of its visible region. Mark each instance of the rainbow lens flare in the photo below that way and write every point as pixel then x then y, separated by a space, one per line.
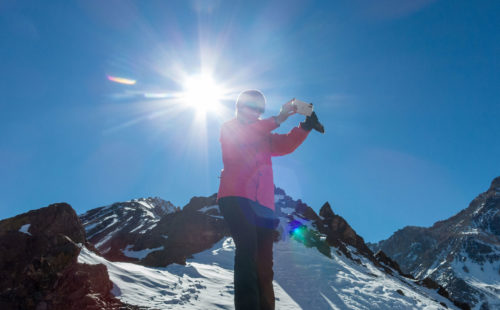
pixel 298 231
pixel 121 80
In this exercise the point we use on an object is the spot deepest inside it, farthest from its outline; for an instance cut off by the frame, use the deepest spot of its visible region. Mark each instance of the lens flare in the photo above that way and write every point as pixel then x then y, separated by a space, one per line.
pixel 121 80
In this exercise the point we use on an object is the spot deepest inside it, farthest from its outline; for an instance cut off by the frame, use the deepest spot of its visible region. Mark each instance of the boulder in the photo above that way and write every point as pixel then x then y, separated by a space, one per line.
pixel 39 268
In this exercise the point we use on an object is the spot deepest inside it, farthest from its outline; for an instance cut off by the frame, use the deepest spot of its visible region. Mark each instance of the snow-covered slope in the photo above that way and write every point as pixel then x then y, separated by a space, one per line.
pixel 304 279
pixel 205 282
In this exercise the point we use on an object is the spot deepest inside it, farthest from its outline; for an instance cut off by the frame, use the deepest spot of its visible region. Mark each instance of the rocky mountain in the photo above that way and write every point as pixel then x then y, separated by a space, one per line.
pixel 320 261
pixel 149 254
pixel 111 228
pixel 153 232
pixel 461 253
pixel 39 266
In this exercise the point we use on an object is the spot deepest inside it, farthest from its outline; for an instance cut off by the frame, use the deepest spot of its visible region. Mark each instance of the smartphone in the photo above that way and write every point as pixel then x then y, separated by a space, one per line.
pixel 302 107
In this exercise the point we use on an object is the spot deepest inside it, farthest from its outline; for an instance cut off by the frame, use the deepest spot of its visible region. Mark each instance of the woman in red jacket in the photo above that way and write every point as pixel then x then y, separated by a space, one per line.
pixel 246 192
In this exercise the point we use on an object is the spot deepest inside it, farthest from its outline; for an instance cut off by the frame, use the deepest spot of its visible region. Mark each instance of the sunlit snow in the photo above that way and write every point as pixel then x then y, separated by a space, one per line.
pixel 304 279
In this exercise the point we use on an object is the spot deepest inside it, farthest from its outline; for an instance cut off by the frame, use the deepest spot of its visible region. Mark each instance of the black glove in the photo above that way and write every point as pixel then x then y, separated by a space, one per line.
pixel 312 122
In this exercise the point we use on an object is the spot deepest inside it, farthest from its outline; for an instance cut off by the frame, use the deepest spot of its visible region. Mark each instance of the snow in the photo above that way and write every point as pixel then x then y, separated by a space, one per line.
pixel 91 226
pixel 304 279
pixel 471 231
pixel 483 277
pixel 318 282
pixel 217 217
pixel 138 227
pixel 478 209
pixel 208 208
pixel 106 239
pixel 145 204
pixel 148 213
pixel 287 210
pixel 204 283
pixel 139 254
pixel 438 262
pixel 278 197
pixel 112 215
pixel 25 228
pixel 149 228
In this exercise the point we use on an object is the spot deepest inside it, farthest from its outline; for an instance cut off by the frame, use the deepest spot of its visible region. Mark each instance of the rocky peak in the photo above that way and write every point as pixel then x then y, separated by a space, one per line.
pixel 196 203
pixel 495 184
pixel 38 265
pixel 115 226
pixel 127 231
pixel 58 218
pixel 326 211
pixel 156 205
pixel 339 233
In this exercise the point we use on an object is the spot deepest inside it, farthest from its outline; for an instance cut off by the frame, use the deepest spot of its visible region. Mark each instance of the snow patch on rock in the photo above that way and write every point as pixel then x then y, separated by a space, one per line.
pixel 24 229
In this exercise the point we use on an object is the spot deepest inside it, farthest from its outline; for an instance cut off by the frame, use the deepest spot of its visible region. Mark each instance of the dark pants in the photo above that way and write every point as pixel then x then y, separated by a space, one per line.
pixel 251 226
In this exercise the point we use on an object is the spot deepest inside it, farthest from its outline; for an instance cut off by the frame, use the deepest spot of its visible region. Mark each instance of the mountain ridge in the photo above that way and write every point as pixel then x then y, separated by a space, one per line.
pixel 149 254
pixel 456 252
pixel 197 226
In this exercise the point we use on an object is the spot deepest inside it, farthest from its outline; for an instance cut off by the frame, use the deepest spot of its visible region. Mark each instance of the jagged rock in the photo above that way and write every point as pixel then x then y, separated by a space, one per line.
pixel 189 231
pixel 112 228
pixel 39 263
pixel 126 228
pixel 339 233
pixel 382 258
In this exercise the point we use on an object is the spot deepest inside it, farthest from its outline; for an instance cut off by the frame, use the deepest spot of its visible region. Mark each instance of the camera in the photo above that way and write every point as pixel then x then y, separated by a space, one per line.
pixel 302 107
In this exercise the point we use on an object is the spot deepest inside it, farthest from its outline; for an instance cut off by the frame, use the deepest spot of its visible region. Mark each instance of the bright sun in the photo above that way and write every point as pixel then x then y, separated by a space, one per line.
pixel 202 93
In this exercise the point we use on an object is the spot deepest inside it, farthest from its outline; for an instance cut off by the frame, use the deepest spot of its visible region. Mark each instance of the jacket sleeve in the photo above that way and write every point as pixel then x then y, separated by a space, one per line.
pixel 282 144
pixel 265 125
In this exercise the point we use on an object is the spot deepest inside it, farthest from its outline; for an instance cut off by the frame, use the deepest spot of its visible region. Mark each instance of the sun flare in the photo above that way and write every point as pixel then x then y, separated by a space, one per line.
pixel 203 93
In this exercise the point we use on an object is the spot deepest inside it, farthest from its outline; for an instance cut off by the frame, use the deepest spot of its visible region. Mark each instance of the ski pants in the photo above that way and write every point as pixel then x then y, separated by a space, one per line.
pixel 251 226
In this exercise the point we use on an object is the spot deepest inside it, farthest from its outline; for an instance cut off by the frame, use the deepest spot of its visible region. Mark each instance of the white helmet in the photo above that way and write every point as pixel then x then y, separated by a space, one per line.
pixel 253 99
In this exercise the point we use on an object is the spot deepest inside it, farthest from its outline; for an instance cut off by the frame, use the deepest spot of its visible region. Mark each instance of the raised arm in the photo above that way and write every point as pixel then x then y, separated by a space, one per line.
pixel 282 144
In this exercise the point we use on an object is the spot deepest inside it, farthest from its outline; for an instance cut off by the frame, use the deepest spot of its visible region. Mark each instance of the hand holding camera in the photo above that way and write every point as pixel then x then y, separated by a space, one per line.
pixel 286 111
pixel 311 121
pixel 297 106
pixel 302 107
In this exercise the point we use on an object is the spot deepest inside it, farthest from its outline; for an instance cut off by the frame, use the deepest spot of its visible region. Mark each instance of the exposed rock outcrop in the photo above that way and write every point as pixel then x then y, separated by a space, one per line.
pixel 339 233
pixel 38 265
pixel 196 228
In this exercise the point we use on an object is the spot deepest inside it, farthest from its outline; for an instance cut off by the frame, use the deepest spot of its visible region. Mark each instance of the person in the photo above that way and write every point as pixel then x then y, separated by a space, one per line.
pixel 246 192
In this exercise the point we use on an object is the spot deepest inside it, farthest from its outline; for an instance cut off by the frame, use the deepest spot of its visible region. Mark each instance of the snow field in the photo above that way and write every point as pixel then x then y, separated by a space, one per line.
pixel 206 282
pixel 304 279
pixel 317 282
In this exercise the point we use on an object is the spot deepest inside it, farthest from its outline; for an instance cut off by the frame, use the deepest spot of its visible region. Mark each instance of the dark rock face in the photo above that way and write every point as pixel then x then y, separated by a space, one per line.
pixel 339 233
pixel 196 228
pixel 446 251
pixel 382 258
pixel 111 228
pixel 38 265
pixel 170 234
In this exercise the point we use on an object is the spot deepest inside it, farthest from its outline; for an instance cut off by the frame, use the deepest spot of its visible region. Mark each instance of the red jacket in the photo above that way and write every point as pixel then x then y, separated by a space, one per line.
pixel 246 154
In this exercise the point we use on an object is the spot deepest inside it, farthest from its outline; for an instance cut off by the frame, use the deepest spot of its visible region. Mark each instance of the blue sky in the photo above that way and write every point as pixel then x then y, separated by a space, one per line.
pixel 408 92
